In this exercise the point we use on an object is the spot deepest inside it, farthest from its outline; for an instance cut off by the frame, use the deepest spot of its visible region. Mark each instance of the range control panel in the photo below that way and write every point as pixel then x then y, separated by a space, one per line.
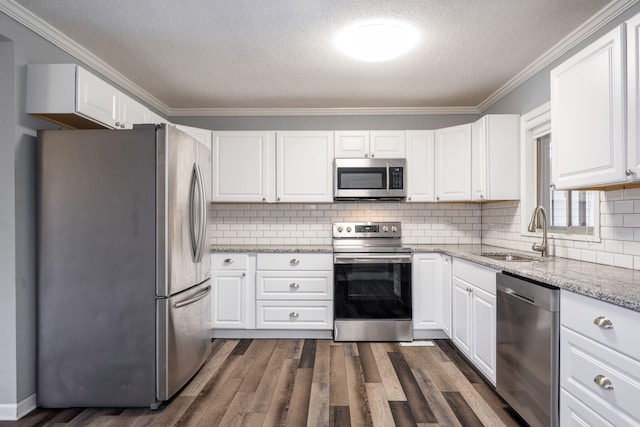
pixel 364 230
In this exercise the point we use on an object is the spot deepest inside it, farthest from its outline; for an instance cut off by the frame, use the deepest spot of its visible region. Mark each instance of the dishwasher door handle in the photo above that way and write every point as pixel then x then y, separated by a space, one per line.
pixel 514 294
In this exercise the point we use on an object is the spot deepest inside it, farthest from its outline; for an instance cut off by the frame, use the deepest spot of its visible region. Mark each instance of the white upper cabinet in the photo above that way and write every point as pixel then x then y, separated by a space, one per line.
pixel 244 166
pixel 453 163
pixel 304 166
pixel 495 157
pixel 366 144
pixel 420 165
pixel 588 111
pixel 73 97
pixel 633 96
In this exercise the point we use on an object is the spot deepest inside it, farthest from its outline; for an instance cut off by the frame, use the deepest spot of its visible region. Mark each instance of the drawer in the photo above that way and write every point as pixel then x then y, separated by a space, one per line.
pixel 229 261
pixel 574 413
pixel 294 315
pixel 478 275
pixel 295 261
pixel 295 285
pixel 582 360
pixel 579 312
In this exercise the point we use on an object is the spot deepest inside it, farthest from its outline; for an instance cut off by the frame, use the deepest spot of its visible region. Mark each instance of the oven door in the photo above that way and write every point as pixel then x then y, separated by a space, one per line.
pixel 372 286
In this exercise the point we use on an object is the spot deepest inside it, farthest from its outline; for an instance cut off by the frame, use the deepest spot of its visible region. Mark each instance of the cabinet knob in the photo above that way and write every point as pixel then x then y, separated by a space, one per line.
pixel 372 155
pixel 552 185
pixel 264 200
pixel 294 314
pixel 366 155
pixel 437 197
pixel 228 261
pixel 118 124
pixel 482 196
pixel 603 382
pixel 294 261
pixel 603 322
pixel 278 199
pixel 628 172
pixel 294 285
pixel 122 125
pixel 244 274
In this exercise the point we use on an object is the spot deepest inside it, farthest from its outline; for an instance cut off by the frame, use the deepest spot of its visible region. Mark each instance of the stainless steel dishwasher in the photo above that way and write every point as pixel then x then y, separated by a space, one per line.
pixel 527 353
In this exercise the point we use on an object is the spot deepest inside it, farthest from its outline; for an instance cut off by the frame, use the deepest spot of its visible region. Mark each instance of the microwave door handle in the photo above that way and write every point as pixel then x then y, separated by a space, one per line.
pixel 387 177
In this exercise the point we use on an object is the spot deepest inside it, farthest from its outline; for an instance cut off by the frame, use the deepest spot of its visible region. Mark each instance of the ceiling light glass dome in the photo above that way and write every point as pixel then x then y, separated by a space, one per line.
pixel 376 41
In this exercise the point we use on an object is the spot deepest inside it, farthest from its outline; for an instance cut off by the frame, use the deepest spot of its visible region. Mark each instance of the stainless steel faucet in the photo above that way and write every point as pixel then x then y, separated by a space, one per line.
pixel 543 248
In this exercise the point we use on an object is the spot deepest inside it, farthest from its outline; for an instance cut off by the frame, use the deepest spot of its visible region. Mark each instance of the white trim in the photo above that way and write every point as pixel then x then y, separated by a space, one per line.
pixel 15 411
pixel 40 27
pixel 530 123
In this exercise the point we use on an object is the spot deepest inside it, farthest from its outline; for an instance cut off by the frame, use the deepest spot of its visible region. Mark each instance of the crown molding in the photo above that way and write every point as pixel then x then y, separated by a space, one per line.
pixel 53 35
pixel 42 28
pixel 388 111
pixel 597 21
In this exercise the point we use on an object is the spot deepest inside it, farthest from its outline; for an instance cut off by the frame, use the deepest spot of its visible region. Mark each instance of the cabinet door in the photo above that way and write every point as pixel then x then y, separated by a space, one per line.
pixel 244 166
pixel 479 159
pixel 96 99
pixel 131 112
pixel 304 167
pixel 387 144
pixel 460 315
pixel 588 115
pixel 427 291
pixel 352 144
pixel 230 300
pixel 453 163
pixel 483 327
pixel 633 94
pixel 420 166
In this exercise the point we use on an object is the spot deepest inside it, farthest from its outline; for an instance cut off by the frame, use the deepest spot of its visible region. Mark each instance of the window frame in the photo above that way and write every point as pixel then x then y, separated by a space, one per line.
pixel 533 125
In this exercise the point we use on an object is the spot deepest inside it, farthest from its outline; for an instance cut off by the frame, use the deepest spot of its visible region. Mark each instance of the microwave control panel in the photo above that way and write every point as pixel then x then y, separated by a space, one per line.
pixel 396 178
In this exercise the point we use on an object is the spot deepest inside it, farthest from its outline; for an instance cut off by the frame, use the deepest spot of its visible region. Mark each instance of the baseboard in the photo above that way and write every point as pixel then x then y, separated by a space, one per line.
pixel 15 411
pixel 431 334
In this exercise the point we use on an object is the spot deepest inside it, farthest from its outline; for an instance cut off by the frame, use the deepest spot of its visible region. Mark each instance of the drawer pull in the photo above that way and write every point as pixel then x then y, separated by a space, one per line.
pixel 294 285
pixel 228 261
pixel 603 322
pixel 295 261
pixel 294 314
pixel 603 382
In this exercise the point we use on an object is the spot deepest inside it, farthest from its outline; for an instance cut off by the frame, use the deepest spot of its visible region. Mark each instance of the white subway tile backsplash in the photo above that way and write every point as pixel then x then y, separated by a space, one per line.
pixel 310 224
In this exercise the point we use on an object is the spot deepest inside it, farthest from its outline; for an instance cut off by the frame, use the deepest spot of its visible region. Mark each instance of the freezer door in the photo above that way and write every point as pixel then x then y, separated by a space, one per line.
pixel 180 211
pixel 184 337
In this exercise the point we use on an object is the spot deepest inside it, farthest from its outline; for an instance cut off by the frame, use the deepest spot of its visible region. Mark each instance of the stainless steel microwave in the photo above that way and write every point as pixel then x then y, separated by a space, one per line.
pixel 369 179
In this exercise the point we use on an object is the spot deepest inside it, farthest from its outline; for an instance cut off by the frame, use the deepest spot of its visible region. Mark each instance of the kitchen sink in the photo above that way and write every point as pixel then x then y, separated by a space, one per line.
pixel 509 257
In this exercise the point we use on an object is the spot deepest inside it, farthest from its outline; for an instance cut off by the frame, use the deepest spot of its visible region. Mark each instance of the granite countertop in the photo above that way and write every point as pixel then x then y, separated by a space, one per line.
pixel 619 286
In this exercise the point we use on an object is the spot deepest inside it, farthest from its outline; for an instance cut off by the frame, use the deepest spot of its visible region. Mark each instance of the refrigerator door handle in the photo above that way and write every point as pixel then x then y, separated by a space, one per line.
pixel 203 216
pixel 197 297
pixel 192 226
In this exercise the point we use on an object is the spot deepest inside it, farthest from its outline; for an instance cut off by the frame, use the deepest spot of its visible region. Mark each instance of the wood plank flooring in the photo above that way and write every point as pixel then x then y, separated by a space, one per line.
pixel 314 383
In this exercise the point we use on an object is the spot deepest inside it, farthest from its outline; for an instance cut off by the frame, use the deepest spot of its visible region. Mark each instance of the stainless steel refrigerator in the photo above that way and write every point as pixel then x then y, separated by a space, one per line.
pixel 123 273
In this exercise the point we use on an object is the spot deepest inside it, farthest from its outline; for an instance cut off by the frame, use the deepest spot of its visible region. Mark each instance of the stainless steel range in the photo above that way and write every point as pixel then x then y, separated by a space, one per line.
pixel 372 282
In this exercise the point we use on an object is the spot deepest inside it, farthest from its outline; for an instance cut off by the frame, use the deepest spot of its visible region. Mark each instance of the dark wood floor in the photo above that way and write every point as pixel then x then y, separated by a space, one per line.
pixel 314 383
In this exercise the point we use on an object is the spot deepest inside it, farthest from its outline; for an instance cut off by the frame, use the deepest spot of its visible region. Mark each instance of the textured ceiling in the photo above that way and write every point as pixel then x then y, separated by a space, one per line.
pixel 280 53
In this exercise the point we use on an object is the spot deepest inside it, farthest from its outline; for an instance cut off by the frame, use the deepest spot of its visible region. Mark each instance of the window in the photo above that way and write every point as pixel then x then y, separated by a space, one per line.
pixel 567 211
pixel 571 215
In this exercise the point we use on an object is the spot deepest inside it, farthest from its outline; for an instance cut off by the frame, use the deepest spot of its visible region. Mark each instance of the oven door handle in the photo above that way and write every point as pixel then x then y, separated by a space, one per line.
pixel 372 259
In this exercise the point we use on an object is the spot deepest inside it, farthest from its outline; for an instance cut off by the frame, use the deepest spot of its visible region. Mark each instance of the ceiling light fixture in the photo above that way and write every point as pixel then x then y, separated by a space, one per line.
pixel 376 41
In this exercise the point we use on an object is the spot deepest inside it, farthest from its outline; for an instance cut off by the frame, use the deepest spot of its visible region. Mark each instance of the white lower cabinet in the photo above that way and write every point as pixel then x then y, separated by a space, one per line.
pixel 294 291
pixel 599 363
pixel 474 314
pixel 431 286
pixel 233 291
